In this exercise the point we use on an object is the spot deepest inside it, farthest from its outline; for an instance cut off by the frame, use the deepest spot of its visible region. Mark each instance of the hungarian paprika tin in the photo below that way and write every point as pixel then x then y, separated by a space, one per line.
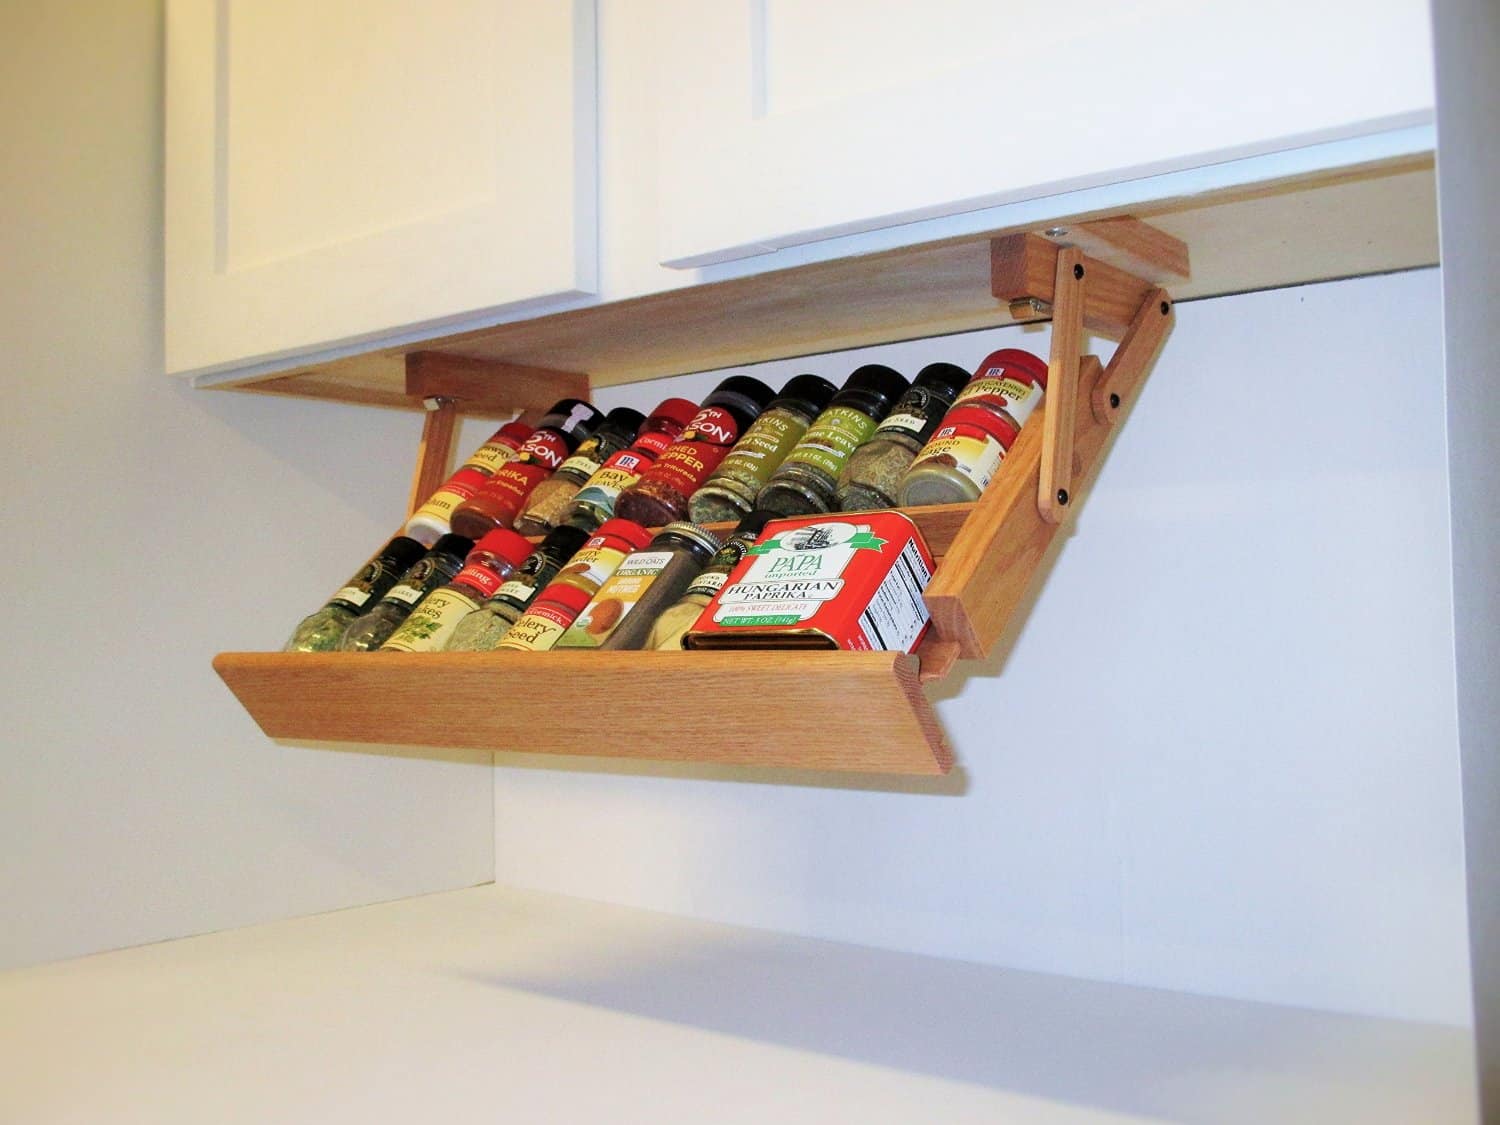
pixel 821 582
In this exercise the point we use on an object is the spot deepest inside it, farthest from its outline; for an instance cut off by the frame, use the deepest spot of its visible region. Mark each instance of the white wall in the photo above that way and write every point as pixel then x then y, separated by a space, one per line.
pixel 150 526
pixel 1222 754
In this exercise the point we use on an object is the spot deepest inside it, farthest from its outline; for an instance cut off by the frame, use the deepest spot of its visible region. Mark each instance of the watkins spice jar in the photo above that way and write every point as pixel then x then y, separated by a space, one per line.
pixel 661 495
pixel 433 619
pixel 872 477
pixel 595 501
pixel 961 459
pixel 432 518
pixel 500 499
pixel 321 631
pixel 730 490
pixel 678 618
pixel 538 628
pixel 441 562
pixel 808 479
pixel 549 501
pixel 482 629
pixel 827 583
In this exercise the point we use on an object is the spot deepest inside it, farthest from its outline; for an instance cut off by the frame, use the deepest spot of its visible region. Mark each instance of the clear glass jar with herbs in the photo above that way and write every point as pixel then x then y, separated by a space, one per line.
pixel 322 631
pixel 483 629
pixel 441 562
pixel 549 501
pixel 595 501
pixel 872 476
pixel 432 620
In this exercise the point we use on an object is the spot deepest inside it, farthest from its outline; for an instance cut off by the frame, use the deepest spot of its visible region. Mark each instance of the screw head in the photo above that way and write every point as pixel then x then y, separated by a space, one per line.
pixel 1165 308
pixel 1114 402
pixel 1078 272
pixel 1055 232
pixel 1062 495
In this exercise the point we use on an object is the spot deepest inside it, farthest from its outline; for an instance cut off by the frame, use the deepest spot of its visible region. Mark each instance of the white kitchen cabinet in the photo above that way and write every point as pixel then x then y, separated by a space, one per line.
pixel 348 171
pixel 812 120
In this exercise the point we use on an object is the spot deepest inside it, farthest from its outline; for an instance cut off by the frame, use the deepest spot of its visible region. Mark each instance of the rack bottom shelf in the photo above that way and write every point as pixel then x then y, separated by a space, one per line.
pixel 859 712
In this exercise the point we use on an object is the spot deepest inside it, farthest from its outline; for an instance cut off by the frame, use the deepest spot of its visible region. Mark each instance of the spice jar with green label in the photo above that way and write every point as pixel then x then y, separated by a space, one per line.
pixel 807 481
pixel 442 561
pixel 549 501
pixel 872 477
pixel 434 618
pixel 550 614
pixel 730 490
pixel 595 501
pixel 621 613
pixel 433 517
pixel 322 631
pixel 482 630
pixel 678 618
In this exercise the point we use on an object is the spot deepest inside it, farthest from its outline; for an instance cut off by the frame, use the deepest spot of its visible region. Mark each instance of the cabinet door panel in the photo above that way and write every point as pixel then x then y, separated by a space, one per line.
pixel 793 120
pixel 349 169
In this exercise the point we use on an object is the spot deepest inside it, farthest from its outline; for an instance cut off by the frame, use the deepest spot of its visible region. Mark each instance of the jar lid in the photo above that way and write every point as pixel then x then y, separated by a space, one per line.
pixel 807 393
pixel 509 545
pixel 563 541
pixel 993 366
pixel 678 410
pixel 691 532
pixel 624 421
pixel 743 391
pixel 452 544
pixel 996 425
pixel 571 416
pixel 876 381
pixel 516 431
pixel 569 597
pixel 403 550
pixel 947 379
pixel 628 530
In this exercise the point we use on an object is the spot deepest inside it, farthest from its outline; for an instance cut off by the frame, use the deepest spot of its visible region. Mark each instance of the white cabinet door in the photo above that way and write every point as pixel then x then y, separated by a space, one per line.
pixel 341 171
pixel 787 121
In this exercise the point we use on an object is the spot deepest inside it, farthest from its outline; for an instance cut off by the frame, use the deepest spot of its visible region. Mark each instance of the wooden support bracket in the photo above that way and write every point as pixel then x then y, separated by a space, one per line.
pixel 435 452
pixel 1055 483
pixel 1142 340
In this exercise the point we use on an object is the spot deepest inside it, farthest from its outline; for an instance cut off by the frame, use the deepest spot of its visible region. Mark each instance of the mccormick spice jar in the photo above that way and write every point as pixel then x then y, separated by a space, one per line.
pixel 807 480
pixel 550 500
pixel 622 612
pixel 539 627
pixel 443 560
pixel 678 618
pixel 432 518
pixel 482 630
pixel 595 501
pixel 433 619
pixel 661 495
pixel 872 477
pixel 500 499
pixel 321 631
pixel 824 582
pixel 961 459
pixel 1009 382
pixel 606 549
pixel 730 490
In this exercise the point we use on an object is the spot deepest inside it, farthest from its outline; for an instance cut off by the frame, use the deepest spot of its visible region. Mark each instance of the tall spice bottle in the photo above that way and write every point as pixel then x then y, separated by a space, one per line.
pixel 501 498
pixel 550 500
pixel 433 518
pixel 730 490
pixel 432 620
pixel 443 560
pixel 872 476
pixel 595 501
pixel 661 495
pixel 322 631
pixel 807 481
pixel 482 630
pixel 679 617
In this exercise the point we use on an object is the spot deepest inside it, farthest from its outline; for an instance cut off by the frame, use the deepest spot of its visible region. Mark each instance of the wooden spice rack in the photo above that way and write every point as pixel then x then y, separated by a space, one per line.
pixel 988 555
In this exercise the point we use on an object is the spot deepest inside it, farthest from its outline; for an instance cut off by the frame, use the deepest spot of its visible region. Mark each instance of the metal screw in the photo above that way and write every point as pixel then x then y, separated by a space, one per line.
pixel 1055 232
pixel 1114 402
pixel 1078 272
pixel 1062 495
pixel 1165 308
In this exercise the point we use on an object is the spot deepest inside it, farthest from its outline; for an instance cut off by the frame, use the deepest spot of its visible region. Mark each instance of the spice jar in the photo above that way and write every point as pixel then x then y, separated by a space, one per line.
pixel 500 499
pixel 679 617
pixel 873 473
pixel 443 560
pixel 595 501
pixel 661 495
pixel 482 629
pixel 961 459
pixel 550 500
pixel 807 481
pixel 433 619
pixel 730 490
pixel 1009 381
pixel 538 628
pixel 432 518
pixel 321 631
pixel 605 549
pixel 622 612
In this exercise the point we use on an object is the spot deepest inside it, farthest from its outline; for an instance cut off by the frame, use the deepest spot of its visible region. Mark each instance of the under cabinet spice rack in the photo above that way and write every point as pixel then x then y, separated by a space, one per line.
pixel 761 708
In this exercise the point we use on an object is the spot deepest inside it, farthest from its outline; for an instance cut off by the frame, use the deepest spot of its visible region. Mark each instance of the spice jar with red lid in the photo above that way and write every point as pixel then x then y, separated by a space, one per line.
pixel 432 519
pixel 961 459
pixel 550 500
pixel 548 618
pixel 597 559
pixel 433 619
pixel 595 501
pixel 1009 381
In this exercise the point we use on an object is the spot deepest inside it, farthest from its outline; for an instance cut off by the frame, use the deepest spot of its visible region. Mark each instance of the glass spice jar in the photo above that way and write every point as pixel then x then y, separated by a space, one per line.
pixel 961 459
pixel 679 617
pixel 730 490
pixel 622 612
pixel 482 630
pixel 873 473
pixel 595 501
pixel 661 495
pixel 433 619
pixel 549 501
pixel 321 631
pixel 1009 381
pixel 432 518
pixel 550 614
pixel 807 481
pixel 604 550
pixel 500 499
pixel 443 560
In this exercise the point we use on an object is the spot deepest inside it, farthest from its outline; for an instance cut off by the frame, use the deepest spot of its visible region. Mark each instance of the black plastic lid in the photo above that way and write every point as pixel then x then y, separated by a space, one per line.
pixel 401 552
pixel 563 542
pixel 755 522
pixel 623 421
pixel 873 385
pixel 945 379
pixel 744 393
pixel 572 416
pixel 451 544
pixel 807 393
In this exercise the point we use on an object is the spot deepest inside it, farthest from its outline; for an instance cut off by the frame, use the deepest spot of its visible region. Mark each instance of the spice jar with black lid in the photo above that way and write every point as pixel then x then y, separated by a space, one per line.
pixel 432 620
pixel 807 481
pixel 322 631
pixel 661 495
pixel 501 498
pixel 595 501
pixel 872 476
pixel 730 490
pixel 679 617
pixel 482 630
pixel 549 501
pixel 442 561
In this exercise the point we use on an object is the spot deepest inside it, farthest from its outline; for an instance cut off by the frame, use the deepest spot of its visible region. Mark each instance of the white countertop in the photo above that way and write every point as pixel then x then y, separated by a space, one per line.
pixel 492 1003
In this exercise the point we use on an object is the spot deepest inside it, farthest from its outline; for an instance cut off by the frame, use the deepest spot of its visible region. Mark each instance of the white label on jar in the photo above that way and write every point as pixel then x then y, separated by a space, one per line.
pixel 515 591
pixel 645 562
pixel 411 595
pixel 353 595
